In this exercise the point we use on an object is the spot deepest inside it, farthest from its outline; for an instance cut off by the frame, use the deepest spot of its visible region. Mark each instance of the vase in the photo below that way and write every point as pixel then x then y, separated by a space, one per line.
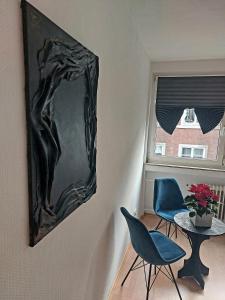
pixel 202 221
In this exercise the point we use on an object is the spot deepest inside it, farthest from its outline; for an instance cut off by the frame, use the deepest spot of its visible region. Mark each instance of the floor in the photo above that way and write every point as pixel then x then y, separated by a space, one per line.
pixel 212 255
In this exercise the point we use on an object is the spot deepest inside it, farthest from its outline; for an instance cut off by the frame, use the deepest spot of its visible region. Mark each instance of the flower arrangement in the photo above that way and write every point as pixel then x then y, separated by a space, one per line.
pixel 202 200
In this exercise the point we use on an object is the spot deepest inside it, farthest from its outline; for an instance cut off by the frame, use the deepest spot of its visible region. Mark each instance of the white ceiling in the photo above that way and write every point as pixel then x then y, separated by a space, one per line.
pixel 181 29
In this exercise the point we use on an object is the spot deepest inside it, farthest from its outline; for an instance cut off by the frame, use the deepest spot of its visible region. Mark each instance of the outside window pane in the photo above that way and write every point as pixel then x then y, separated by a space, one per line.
pixel 189 115
pixel 158 150
pixel 186 152
pixel 198 153
pixel 189 135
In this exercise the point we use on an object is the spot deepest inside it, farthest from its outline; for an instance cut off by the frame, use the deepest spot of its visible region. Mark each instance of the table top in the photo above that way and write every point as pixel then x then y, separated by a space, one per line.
pixel 183 220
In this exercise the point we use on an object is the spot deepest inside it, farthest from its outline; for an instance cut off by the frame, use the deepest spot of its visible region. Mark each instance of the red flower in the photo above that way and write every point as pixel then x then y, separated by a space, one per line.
pixel 202 198
pixel 193 188
pixel 202 203
pixel 202 192
pixel 208 193
pixel 215 197
pixel 198 196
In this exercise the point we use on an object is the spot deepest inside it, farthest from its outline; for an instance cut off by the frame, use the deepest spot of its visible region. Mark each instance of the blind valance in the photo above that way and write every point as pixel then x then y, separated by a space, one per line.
pixel 206 94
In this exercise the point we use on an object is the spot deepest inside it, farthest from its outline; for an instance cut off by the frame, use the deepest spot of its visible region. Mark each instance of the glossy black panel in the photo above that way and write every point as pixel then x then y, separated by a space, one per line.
pixel 61 91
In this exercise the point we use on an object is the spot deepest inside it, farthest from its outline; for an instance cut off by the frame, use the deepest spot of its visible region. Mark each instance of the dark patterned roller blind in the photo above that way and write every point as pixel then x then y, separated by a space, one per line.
pixel 206 94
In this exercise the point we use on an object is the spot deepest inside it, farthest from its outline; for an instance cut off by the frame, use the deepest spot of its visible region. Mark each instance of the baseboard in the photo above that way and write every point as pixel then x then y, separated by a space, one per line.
pixel 118 272
pixel 149 211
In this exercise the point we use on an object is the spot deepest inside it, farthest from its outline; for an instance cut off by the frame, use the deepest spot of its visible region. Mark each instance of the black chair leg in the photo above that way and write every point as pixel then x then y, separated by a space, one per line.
pixel 129 270
pixel 175 283
pixel 160 221
pixel 189 241
pixel 148 285
pixel 176 231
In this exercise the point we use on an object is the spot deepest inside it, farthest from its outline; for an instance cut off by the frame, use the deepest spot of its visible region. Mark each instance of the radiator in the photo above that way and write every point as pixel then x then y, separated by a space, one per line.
pixel 220 191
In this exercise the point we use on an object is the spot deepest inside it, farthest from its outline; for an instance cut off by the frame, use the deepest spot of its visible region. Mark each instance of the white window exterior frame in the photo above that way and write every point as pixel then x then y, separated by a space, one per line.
pixel 163 148
pixel 202 147
pixel 178 161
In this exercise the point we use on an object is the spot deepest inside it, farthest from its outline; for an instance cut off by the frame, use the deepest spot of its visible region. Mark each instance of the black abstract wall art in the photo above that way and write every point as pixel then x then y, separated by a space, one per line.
pixel 61 90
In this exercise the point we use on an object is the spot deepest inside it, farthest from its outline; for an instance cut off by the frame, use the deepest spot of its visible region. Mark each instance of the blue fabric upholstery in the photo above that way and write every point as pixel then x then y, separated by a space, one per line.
pixel 153 246
pixel 169 214
pixel 168 199
pixel 168 250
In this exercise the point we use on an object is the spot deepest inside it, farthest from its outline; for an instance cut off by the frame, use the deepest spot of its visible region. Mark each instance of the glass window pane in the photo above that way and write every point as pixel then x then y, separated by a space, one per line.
pixel 190 115
pixel 158 149
pixel 190 135
pixel 186 152
pixel 198 153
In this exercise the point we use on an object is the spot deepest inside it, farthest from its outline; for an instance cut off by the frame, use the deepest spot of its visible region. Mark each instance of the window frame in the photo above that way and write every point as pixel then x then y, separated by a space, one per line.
pixel 202 147
pixel 178 161
pixel 163 148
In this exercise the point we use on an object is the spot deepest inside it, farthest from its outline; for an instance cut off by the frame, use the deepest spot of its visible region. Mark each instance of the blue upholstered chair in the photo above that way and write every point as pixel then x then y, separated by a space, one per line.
pixel 168 201
pixel 154 248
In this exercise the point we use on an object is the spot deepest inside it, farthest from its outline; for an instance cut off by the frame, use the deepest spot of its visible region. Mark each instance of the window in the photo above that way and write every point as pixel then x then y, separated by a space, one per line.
pixel 192 151
pixel 189 116
pixel 189 119
pixel 187 145
pixel 160 149
pixel 185 152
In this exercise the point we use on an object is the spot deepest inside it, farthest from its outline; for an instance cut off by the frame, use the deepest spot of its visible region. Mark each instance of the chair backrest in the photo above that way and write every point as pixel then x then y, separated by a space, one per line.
pixel 141 239
pixel 167 195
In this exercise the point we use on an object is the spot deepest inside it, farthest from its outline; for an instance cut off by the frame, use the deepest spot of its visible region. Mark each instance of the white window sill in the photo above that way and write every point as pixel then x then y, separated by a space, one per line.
pixel 188 170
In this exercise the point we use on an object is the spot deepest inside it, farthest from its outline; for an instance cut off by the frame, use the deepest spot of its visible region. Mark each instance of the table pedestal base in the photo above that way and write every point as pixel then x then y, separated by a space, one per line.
pixel 193 266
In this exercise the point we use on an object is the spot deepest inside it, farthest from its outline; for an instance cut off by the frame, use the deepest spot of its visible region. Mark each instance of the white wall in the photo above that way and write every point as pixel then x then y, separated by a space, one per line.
pixel 182 175
pixel 78 260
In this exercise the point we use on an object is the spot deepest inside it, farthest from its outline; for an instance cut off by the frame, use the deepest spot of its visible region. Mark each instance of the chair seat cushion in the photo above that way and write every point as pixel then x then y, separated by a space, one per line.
pixel 169 251
pixel 169 214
